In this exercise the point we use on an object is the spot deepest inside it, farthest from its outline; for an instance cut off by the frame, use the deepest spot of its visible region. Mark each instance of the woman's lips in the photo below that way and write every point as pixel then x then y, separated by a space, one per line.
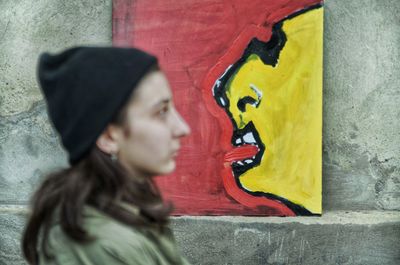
pixel 175 150
pixel 175 153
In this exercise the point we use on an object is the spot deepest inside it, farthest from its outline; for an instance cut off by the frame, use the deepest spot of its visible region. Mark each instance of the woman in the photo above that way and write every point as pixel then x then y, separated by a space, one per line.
pixel 114 112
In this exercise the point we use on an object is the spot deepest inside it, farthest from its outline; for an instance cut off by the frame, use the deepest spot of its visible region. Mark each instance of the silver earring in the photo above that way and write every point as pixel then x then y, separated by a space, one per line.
pixel 114 157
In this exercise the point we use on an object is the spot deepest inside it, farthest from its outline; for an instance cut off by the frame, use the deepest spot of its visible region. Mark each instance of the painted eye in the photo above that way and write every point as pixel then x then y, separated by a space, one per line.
pixel 250 100
pixel 244 101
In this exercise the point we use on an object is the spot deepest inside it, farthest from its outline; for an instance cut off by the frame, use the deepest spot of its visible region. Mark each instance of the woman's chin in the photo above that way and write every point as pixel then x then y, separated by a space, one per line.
pixel 166 169
pixel 171 167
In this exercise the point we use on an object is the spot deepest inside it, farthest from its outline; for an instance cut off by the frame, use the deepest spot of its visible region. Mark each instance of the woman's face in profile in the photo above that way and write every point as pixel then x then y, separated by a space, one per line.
pixel 150 139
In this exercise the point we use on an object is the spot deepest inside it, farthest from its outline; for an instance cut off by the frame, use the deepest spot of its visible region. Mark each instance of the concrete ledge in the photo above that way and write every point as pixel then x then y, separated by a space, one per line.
pixel 338 237
pixel 335 238
pixel 331 217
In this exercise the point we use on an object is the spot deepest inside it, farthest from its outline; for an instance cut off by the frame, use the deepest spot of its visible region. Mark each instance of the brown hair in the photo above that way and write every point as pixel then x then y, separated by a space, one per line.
pixel 101 183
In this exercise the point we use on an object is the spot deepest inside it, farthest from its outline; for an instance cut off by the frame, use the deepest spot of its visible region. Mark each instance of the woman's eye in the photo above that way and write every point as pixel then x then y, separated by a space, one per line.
pixel 163 112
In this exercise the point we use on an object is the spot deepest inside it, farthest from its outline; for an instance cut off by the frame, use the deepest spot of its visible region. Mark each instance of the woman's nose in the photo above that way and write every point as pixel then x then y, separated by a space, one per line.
pixel 181 128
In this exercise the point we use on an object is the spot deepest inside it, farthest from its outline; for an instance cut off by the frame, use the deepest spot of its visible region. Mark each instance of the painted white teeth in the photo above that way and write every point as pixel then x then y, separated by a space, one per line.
pixel 249 138
pixel 238 141
pixel 247 162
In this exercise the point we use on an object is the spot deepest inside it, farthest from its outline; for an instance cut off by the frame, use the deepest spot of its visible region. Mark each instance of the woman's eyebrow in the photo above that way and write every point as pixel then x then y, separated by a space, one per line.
pixel 161 102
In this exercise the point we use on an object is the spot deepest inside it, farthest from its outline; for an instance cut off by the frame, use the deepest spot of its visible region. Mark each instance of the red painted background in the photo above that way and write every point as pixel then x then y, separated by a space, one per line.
pixel 194 41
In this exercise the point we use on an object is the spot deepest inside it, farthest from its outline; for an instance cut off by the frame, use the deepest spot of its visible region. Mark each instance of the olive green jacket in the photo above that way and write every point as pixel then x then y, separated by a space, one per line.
pixel 115 243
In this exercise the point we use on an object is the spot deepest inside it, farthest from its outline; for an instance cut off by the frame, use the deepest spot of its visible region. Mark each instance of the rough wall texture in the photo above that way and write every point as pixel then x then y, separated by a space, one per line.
pixel 361 138
pixel 28 146
pixel 361 95
pixel 333 239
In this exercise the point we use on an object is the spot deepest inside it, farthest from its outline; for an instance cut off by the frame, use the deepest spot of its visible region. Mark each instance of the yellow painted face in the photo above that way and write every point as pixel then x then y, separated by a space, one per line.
pixel 285 108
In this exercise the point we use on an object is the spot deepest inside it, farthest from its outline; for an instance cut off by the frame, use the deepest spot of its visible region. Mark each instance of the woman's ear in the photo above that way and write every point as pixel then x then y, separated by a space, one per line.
pixel 108 141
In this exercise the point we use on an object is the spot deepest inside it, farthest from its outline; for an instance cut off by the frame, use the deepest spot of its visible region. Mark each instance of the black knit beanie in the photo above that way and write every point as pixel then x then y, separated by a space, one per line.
pixel 85 87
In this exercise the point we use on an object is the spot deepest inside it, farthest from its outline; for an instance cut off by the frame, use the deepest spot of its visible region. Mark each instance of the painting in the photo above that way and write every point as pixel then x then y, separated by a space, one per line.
pixel 247 76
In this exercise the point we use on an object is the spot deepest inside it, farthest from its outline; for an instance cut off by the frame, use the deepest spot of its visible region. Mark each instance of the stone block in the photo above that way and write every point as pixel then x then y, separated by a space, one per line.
pixel 336 238
pixel 29 150
pixel 361 137
pixel 364 238
pixel 28 28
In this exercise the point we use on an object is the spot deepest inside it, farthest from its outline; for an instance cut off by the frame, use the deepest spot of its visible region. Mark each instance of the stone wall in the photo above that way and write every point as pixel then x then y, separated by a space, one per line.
pixel 361 158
